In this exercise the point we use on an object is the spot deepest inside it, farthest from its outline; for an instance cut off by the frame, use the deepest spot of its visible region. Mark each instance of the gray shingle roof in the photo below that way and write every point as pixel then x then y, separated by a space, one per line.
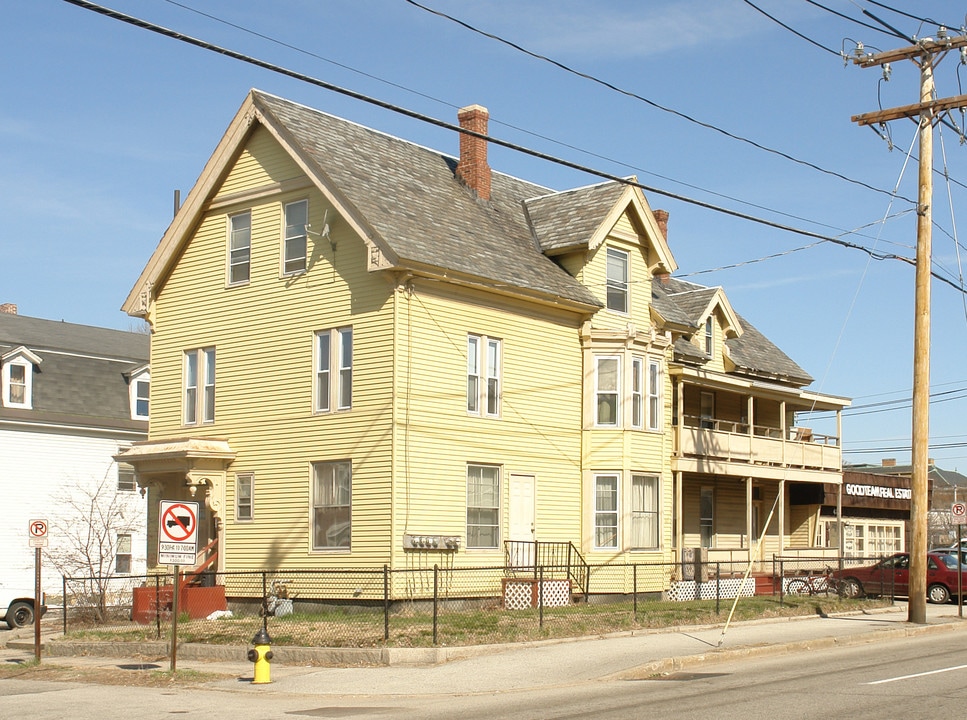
pixel 403 191
pixel 752 352
pixel 566 220
pixel 81 378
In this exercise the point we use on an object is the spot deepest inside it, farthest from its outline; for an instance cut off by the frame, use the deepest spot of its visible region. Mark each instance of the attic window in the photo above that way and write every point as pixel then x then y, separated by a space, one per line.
pixel 617 280
pixel 294 242
pixel 17 378
pixel 709 336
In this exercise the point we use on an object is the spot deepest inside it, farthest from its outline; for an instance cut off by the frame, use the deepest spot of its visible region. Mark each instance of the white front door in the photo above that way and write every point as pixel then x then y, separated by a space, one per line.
pixel 522 520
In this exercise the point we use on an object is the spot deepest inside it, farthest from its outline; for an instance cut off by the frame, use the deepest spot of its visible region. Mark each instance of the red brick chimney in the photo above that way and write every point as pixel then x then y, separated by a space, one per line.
pixel 8 309
pixel 661 217
pixel 889 462
pixel 473 168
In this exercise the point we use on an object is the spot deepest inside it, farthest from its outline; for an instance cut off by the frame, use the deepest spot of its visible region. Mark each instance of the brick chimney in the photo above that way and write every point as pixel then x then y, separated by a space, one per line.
pixel 8 309
pixel 473 169
pixel 661 217
pixel 889 462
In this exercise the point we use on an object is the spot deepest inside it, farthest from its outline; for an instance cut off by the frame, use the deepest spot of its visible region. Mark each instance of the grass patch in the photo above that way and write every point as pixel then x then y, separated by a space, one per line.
pixel 413 626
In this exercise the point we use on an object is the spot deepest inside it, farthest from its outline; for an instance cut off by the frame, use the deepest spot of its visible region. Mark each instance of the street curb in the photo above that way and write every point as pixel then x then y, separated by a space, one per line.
pixel 672 665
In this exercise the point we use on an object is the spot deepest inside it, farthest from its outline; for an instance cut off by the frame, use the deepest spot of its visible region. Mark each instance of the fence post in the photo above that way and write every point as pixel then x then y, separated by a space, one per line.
pixel 157 605
pixel 265 602
pixel 634 589
pixel 540 596
pixel 436 598
pixel 782 584
pixel 385 602
pixel 63 579
pixel 718 587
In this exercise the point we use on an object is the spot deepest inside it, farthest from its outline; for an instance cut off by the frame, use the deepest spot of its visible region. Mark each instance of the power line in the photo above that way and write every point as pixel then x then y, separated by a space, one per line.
pixel 787 27
pixel 652 103
pixel 145 25
pixel 848 18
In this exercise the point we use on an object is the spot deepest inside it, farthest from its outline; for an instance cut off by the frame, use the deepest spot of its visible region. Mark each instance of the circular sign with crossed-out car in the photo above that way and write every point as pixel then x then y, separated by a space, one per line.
pixel 178 532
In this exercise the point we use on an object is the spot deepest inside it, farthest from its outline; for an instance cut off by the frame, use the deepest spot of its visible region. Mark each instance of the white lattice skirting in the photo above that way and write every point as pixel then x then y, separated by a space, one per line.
pixel 523 594
pixel 727 588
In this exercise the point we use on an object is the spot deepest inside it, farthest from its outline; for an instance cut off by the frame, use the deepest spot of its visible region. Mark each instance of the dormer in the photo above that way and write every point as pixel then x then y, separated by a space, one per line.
pixel 17 377
pixel 139 391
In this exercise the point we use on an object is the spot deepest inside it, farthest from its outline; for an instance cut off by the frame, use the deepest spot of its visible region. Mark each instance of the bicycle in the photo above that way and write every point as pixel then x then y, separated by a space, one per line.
pixel 825 584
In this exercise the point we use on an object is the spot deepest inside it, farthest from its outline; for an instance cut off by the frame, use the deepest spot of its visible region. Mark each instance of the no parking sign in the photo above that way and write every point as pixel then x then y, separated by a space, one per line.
pixel 959 512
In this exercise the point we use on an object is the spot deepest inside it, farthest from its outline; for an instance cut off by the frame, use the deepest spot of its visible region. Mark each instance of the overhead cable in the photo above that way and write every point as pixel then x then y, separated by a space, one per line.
pixel 145 25
pixel 652 103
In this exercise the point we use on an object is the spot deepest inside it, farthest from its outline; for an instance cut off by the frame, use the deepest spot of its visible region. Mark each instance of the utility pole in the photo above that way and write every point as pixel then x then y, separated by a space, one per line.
pixel 926 53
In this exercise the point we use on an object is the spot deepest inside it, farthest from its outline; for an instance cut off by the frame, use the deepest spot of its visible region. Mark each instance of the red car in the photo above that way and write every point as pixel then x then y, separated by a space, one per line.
pixel 891 576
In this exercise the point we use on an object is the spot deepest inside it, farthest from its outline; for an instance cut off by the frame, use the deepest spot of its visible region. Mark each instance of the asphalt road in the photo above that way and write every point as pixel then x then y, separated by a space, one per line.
pixel 913 677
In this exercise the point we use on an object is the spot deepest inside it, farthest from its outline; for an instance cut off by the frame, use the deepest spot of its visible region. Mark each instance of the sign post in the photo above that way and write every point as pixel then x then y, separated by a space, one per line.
pixel 958 512
pixel 37 530
pixel 177 546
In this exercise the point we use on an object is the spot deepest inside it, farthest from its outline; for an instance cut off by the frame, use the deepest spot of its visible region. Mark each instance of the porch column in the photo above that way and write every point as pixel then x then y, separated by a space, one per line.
pixel 679 532
pixel 839 521
pixel 783 431
pixel 748 517
pixel 680 394
pixel 750 404
pixel 782 516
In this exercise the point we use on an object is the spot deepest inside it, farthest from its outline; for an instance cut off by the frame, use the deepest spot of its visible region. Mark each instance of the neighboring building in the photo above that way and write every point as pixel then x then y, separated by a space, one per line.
pixel 71 397
pixel 944 487
pixel 369 353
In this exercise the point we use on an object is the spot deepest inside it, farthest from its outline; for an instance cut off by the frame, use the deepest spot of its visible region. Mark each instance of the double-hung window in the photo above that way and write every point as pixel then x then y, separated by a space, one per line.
pixel 294 240
pixel 334 369
pixel 644 511
pixel 483 506
pixel 654 395
pixel 637 392
pixel 140 393
pixel 126 479
pixel 17 377
pixel 332 503
pixel 122 556
pixel 483 375
pixel 239 248
pixel 244 486
pixel 617 280
pixel 606 390
pixel 709 336
pixel 199 386
pixel 606 511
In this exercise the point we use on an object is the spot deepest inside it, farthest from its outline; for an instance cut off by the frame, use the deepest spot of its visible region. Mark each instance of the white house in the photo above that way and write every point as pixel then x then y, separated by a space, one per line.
pixel 71 397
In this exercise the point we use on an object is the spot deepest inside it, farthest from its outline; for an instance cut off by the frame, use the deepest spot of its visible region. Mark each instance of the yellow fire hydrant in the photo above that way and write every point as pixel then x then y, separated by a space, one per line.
pixel 260 655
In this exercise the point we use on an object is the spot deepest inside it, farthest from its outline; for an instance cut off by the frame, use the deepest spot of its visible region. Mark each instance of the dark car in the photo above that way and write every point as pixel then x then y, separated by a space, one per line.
pixel 891 576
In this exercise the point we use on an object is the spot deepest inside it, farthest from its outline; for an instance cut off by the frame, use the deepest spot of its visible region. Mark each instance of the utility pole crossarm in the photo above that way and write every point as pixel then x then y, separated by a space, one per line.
pixel 924 47
pixel 909 111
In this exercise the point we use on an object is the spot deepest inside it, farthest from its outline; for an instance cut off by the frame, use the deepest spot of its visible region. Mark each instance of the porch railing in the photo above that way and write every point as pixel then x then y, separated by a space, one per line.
pixel 549 558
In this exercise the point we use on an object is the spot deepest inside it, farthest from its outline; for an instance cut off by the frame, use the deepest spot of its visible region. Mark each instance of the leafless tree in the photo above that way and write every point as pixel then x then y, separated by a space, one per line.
pixel 90 518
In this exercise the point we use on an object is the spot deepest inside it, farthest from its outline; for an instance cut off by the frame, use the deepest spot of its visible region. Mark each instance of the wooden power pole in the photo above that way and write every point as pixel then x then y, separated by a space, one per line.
pixel 926 53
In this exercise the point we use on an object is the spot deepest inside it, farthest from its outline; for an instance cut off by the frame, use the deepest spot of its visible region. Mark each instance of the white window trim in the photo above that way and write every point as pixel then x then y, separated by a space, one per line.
pixel 638 378
pixel 621 285
pixel 19 357
pixel 245 477
pixel 229 264
pixel 653 395
pixel 305 234
pixel 498 508
pixel 313 505
pixel 337 374
pixel 616 512
pixel 204 356
pixel 656 512
pixel 486 374
pixel 616 392
pixel 139 376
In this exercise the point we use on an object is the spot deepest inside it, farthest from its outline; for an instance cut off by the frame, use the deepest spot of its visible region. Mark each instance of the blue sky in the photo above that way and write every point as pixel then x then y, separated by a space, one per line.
pixel 100 122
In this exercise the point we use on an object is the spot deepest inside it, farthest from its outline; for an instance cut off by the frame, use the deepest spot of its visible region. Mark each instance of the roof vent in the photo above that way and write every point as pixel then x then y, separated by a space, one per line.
pixel 473 169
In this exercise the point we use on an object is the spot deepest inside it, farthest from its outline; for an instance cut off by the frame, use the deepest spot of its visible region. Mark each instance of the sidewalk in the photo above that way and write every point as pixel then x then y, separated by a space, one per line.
pixel 545 664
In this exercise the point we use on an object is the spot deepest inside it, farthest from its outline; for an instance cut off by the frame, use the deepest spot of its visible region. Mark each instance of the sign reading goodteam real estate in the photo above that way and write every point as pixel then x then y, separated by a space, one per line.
pixel 178 534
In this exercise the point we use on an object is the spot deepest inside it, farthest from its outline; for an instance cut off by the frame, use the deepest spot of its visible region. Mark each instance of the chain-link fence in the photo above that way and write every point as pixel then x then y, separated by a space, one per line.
pixel 844 577
pixel 419 607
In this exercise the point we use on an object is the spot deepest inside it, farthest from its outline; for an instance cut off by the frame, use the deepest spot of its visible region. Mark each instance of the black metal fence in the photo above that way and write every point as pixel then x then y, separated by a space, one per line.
pixel 420 607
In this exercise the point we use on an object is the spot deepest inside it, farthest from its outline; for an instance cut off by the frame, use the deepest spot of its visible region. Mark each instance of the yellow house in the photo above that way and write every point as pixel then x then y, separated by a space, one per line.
pixel 366 353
